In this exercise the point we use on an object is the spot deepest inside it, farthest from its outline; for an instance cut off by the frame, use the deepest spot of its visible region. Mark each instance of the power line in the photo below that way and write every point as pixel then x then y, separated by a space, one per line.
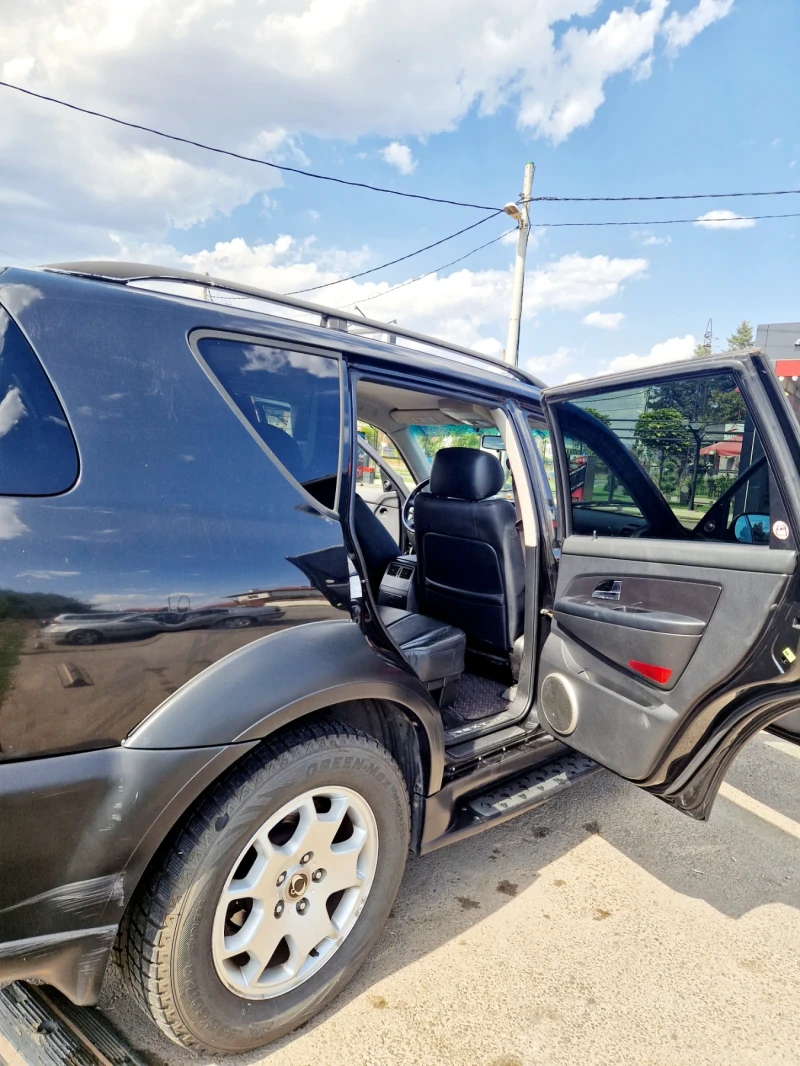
pixel 392 262
pixel 667 221
pixel 238 155
pixel 421 277
pixel 365 185
pixel 495 240
pixel 545 225
pixel 678 196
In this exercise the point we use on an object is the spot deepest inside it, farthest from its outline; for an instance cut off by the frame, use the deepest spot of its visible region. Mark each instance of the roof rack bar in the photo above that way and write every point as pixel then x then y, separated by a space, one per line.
pixel 330 317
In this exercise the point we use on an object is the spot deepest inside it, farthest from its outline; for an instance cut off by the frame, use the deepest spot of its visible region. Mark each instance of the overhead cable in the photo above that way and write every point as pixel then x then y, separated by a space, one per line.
pixel 365 185
pixel 675 196
pixel 412 281
pixel 239 155
pixel 721 222
pixel 392 262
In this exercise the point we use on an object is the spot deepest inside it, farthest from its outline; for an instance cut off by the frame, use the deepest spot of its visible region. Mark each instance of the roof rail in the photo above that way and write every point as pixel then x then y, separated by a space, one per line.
pixel 330 317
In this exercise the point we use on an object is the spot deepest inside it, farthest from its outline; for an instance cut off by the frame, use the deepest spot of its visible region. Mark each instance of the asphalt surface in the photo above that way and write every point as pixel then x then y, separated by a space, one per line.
pixel 600 928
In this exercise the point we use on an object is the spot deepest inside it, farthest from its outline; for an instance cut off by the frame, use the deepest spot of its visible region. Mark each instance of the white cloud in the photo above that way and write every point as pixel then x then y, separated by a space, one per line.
pixel 776 143
pixel 724 220
pixel 573 281
pixel 12 409
pixel 607 320
pixel 570 379
pixel 257 77
pixel 793 164
pixel 399 156
pixel 669 351
pixel 549 367
pixel 650 240
pixel 681 30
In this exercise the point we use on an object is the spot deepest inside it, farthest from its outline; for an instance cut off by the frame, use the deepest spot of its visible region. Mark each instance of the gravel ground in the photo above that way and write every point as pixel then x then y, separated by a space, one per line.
pixel 601 928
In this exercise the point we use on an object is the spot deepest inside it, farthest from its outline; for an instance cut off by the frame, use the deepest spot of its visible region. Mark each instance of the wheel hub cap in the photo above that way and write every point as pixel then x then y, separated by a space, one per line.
pixel 297 885
pixel 295 893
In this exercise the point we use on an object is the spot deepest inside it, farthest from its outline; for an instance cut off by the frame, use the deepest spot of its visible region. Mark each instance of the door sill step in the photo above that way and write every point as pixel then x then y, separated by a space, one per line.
pixel 40 1027
pixel 516 794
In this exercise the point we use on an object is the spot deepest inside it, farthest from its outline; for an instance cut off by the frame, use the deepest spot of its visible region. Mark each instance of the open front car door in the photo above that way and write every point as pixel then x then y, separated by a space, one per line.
pixel 676 621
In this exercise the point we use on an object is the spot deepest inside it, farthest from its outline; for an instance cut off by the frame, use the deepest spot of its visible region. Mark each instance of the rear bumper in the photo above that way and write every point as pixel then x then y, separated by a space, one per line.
pixel 76 833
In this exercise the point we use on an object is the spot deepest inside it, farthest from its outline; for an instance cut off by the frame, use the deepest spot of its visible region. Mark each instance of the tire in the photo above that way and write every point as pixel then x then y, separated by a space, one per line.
pixel 169 944
pixel 236 623
pixel 85 637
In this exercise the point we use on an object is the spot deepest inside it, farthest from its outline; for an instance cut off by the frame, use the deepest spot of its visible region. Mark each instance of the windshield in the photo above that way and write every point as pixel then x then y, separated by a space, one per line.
pixel 432 438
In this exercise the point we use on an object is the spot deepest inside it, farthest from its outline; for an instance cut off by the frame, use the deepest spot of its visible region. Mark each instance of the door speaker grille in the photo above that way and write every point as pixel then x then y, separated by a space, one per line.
pixel 559 703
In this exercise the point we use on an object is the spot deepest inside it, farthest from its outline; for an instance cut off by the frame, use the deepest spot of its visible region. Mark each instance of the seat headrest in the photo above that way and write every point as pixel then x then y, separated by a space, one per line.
pixel 465 474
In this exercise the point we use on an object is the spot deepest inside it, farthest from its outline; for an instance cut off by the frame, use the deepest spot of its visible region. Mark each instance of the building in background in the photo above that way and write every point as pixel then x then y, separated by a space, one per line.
pixel 781 343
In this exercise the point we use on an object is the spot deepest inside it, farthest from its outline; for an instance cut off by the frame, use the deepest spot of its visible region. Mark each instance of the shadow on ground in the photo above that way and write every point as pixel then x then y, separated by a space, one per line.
pixel 737 862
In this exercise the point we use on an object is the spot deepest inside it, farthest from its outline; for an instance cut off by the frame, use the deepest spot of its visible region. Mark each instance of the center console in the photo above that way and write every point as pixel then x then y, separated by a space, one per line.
pixel 398 587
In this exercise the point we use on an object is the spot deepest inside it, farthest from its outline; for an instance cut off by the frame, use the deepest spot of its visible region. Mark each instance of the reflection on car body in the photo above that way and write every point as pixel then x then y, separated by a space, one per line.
pixel 97 628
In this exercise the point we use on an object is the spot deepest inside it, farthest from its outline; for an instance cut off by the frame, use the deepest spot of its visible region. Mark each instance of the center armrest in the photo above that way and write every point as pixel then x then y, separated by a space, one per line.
pixel 433 649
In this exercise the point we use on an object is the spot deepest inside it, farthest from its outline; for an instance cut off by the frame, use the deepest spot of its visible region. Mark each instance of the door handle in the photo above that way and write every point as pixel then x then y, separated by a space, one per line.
pixel 608 590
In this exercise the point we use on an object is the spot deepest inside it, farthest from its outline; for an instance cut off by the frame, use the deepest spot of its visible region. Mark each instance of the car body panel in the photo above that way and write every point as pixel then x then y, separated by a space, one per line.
pixel 171 524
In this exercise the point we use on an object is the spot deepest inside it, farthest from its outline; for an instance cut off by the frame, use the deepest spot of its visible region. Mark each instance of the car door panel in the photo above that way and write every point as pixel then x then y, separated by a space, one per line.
pixel 663 640
pixel 624 720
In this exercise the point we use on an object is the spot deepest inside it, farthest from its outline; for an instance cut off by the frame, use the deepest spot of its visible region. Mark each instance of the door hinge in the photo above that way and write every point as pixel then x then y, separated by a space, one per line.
pixel 546 612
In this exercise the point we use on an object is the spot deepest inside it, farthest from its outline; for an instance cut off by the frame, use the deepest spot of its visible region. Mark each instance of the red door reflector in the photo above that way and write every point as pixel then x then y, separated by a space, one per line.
pixel 659 674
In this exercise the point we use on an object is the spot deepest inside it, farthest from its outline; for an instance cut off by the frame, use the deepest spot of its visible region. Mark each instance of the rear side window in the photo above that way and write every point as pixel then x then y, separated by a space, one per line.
pixel 37 452
pixel 289 400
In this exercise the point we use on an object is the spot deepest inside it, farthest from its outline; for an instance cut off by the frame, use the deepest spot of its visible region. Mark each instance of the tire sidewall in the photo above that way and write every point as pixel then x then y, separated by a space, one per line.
pixel 215 1015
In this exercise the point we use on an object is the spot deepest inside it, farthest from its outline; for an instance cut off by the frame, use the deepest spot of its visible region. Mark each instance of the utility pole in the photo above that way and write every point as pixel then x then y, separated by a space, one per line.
pixel 522 215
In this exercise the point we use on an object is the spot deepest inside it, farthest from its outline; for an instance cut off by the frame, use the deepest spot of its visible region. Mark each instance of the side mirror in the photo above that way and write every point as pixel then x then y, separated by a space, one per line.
pixel 492 442
pixel 752 529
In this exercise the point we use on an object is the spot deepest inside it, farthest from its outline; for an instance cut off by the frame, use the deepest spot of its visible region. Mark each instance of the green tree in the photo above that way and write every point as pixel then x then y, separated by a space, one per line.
pixel 598 415
pixel 664 439
pixel 742 337
pixel 700 351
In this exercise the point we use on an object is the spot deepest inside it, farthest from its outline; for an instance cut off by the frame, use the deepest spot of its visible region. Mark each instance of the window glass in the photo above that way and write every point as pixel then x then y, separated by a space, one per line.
pixel 686 446
pixel 541 438
pixel 37 453
pixel 391 458
pixel 432 438
pixel 292 401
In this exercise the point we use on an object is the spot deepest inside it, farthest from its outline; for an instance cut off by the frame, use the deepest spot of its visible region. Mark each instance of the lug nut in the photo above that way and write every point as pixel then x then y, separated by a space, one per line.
pixel 309 855
pixel 279 909
pixel 281 879
pixel 302 906
pixel 317 875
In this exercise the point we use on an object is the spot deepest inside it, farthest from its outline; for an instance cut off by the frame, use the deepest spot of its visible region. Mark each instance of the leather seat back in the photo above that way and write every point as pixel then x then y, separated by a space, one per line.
pixel 471 570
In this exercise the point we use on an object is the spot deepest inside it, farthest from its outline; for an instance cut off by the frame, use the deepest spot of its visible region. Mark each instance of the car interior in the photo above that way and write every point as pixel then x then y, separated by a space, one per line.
pixel 450 586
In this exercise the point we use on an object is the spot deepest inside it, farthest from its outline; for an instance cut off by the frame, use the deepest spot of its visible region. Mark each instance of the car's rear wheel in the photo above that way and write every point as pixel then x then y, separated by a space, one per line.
pixel 85 637
pixel 272 893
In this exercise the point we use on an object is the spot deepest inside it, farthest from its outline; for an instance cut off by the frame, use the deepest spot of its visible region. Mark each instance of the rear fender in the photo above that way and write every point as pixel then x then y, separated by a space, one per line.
pixel 273 682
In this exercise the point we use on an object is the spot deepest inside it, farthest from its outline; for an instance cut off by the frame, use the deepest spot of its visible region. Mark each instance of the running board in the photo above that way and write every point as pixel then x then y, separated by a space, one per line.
pixel 40 1027
pixel 514 796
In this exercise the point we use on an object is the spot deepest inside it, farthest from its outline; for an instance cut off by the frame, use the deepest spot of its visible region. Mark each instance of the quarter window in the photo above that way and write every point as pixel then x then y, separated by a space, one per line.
pixel 37 452
pixel 291 402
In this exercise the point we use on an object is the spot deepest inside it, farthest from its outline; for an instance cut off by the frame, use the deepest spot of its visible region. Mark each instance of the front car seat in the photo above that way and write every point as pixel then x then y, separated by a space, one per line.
pixel 471 566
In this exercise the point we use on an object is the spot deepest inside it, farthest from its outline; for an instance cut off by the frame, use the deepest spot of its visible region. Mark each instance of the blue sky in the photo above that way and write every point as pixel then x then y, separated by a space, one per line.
pixel 606 98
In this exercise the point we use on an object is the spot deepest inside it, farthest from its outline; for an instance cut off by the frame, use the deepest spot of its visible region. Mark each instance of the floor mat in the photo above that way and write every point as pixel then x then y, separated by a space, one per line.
pixel 477 698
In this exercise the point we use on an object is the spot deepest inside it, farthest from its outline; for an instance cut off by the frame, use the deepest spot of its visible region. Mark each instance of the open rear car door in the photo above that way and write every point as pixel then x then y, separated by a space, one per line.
pixel 676 617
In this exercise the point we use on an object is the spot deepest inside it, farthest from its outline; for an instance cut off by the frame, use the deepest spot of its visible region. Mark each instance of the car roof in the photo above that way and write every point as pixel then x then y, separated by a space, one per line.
pixel 181 284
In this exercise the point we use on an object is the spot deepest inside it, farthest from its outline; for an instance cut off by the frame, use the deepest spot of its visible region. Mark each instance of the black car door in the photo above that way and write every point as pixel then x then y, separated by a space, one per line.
pixel 675 621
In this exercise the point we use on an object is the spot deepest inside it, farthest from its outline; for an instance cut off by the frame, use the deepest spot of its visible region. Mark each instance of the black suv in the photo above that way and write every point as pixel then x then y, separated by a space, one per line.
pixel 284 598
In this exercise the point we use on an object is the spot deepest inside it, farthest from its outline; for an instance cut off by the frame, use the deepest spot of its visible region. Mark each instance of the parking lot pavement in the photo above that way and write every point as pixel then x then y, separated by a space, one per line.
pixel 601 928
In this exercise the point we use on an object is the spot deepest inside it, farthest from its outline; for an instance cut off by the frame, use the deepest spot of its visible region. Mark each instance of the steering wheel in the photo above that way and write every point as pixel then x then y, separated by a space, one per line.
pixel 407 514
